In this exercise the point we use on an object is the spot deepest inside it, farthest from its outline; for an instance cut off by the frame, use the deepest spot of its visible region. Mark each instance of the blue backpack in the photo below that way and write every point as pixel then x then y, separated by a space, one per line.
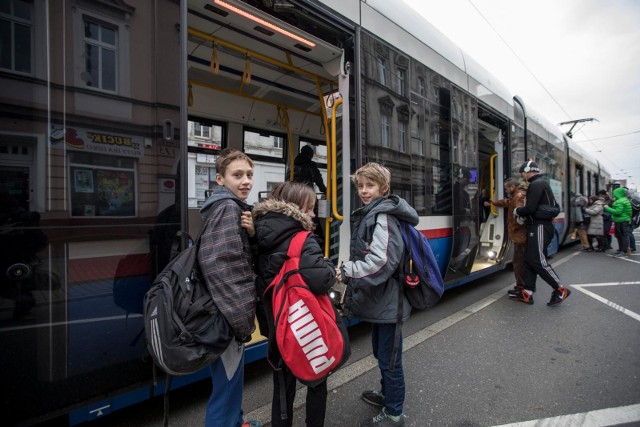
pixel 419 269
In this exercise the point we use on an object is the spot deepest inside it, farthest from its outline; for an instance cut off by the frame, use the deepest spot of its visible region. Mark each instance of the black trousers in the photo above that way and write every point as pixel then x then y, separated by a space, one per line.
pixel 316 404
pixel 539 235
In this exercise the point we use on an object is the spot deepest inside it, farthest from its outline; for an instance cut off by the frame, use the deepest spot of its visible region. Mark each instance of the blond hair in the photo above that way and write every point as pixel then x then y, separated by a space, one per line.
pixel 227 156
pixel 376 173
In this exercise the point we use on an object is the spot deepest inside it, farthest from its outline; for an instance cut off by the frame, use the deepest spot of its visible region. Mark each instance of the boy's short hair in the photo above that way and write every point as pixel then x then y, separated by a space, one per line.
pixel 376 173
pixel 227 156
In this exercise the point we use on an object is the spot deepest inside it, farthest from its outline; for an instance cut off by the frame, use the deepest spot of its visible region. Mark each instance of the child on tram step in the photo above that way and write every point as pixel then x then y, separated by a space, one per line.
pixel 517 196
pixel 374 293
pixel 287 211
pixel 225 261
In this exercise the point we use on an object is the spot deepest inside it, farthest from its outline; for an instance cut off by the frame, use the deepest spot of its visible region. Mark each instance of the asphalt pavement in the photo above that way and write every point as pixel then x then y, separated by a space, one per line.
pixel 480 359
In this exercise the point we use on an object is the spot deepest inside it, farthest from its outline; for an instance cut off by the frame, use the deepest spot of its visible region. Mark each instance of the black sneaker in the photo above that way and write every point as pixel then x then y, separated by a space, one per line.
pixel 383 419
pixel 522 296
pixel 559 295
pixel 373 397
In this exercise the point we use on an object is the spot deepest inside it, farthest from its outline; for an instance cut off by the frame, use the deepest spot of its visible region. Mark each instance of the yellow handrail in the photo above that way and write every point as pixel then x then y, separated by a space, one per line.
pixel 492 182
pixel 334 159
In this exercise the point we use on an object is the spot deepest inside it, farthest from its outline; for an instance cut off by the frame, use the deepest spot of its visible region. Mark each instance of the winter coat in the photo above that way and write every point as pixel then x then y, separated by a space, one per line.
pixel 373 284
pixel 596 224
pixel 621 209
pixel 306 170
pixel 225 261
pixel 276 223
pixel 538 193
pixel 517 232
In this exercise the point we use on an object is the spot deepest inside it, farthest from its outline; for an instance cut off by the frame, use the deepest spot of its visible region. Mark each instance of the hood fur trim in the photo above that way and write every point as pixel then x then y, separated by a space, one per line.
pixel 289 209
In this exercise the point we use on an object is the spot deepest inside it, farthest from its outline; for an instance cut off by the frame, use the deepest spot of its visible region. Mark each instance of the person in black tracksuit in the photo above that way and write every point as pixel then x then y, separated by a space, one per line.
pixel 540 231
pixel 277 220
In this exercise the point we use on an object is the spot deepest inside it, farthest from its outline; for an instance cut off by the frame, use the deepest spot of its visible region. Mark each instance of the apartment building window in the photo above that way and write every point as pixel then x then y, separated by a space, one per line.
pixel 382 70
pixel 16 26
pixel 201 131
pixel 421 86
pixel 385 130
pixel 100 49
pixel 402 137
pixel 400 78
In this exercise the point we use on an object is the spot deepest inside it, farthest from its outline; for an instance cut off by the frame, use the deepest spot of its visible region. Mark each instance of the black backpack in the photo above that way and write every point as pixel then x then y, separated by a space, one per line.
pixel 185 330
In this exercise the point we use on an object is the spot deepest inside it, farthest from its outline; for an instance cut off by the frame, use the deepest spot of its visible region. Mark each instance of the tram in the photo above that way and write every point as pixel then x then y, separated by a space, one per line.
pixel 113 113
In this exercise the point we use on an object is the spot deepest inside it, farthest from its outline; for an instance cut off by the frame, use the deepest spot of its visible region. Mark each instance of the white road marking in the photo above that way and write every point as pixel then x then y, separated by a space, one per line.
pixel 599 418
pixel 611 304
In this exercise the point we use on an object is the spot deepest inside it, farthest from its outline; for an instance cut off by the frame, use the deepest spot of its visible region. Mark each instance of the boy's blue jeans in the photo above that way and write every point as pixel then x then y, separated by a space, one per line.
pixel 224 408
pixel 393 389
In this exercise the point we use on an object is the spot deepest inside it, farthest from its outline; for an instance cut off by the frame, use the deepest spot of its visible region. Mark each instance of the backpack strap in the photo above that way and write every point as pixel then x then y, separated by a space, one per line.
pixel 295 246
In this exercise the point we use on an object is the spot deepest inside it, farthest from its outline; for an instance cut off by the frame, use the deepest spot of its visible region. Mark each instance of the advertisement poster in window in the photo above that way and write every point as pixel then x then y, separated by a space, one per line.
pixel 102 192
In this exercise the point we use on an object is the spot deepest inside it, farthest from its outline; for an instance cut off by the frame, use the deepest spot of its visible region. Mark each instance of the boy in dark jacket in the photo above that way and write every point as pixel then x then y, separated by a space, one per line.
pixel 288 211
pixel 374 292
pixel 224 258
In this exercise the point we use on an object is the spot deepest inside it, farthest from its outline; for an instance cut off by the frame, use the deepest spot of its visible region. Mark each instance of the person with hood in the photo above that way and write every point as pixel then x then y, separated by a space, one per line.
pixel 306 171
pixel 287 211
pixel 225 261
pixel 517 196
pixel 595 229
pixel 374 292
pixel 581 222
pixel 539 219
pixel 621 212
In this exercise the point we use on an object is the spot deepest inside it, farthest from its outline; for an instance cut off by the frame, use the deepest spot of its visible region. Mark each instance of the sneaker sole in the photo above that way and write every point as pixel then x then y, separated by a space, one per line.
pixel 372 402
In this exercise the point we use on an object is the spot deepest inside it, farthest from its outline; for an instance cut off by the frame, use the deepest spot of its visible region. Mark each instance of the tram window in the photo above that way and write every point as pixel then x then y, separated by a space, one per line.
pixel 264 144
pixel 319 152
pixel 205 134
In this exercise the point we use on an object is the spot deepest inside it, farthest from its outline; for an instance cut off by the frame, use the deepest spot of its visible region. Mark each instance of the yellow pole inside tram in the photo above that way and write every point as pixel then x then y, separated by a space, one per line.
pixel 492 181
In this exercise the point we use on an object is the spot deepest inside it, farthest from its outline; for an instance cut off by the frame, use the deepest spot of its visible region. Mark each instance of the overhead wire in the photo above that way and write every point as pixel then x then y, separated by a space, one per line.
pixel 539 82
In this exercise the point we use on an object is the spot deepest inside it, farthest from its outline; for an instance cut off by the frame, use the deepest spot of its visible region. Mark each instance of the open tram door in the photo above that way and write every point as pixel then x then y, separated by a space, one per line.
pixel 492 220
pixel 267 79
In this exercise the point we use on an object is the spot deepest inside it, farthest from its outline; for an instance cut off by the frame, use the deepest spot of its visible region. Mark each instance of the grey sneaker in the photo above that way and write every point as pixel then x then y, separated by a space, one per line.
pixel 373 397
pixel 383 419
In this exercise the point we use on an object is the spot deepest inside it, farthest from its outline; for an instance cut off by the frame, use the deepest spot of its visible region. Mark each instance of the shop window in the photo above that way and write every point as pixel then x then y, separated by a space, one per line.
pixel 102 185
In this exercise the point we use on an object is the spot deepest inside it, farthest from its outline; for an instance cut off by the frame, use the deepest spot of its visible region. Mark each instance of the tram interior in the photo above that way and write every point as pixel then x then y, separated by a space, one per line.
pixel 267 99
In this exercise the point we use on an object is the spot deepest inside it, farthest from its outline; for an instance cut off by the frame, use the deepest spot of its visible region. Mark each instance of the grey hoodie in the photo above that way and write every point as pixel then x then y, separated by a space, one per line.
pixel 376 251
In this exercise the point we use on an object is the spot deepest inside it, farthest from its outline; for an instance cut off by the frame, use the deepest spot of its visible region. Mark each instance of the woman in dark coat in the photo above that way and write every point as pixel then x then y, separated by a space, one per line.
pixel 288 211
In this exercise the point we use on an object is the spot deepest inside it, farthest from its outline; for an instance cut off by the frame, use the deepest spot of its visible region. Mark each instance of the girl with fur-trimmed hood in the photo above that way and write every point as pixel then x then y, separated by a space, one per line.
pixel 288 211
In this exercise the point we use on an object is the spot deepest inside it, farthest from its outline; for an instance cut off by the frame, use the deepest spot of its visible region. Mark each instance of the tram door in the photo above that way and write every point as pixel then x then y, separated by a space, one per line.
pixel 260 82
pixel 490 187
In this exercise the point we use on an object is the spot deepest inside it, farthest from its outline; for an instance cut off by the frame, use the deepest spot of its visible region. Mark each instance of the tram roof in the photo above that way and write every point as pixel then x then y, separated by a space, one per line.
pixel 421 40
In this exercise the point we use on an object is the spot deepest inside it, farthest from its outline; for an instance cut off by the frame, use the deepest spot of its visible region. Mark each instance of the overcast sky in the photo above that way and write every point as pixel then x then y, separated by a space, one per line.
pixel 569 59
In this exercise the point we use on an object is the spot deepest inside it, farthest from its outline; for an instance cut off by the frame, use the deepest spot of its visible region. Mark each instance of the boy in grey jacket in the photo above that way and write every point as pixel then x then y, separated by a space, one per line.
pixel 374 292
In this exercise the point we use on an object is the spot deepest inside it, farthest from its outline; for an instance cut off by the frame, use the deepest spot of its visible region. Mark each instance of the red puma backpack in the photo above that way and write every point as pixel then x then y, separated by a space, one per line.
pixel 310 333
